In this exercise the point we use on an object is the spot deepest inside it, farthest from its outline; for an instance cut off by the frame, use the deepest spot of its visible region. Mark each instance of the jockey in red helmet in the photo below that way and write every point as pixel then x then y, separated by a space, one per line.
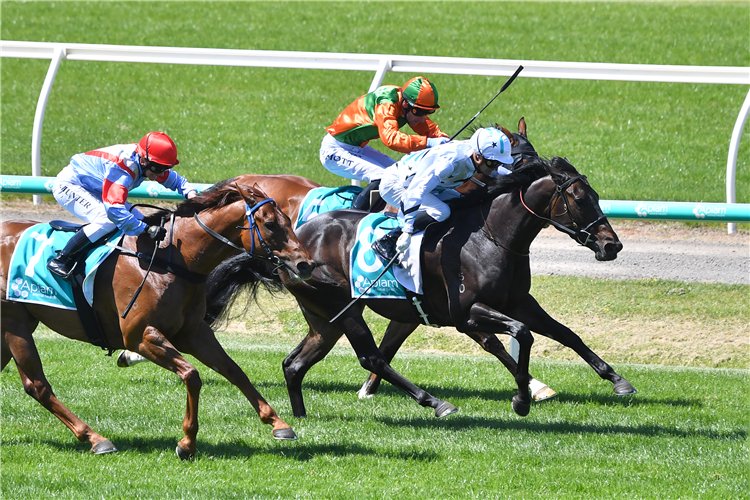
pixel 95 187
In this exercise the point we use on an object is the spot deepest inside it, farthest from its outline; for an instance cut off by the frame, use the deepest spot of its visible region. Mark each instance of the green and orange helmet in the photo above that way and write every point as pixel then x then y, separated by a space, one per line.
pixel 419 92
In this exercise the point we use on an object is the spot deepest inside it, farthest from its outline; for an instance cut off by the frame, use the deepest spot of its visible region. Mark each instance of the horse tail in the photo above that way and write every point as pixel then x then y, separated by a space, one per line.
pixel 229 279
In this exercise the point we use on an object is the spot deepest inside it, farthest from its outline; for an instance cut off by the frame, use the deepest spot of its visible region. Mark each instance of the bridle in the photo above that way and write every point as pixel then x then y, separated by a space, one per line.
pixel 250 213
pixel 582 236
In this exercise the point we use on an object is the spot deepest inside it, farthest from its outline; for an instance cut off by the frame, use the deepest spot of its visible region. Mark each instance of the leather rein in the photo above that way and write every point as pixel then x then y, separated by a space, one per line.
pixel 582 236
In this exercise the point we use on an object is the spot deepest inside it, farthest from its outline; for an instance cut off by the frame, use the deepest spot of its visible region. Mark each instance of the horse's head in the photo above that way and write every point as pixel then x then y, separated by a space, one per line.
pixel 270 231
pixel 574 209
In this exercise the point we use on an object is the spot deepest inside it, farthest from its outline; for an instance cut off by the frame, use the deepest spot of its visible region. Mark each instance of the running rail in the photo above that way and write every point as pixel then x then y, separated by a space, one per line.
pixel 654 210
pixel 380 64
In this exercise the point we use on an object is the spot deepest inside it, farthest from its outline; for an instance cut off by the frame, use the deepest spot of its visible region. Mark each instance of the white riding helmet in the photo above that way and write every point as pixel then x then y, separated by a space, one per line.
pixel 492 144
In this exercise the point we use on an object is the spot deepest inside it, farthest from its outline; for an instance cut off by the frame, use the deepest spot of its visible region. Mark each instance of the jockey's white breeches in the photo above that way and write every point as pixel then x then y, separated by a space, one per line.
pixel 393 192
pixel 84 205
pixel 353 162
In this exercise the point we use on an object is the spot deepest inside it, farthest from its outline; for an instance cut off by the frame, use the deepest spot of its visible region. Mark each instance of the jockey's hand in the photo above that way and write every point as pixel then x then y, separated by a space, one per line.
pixel 403 242
pixel 436 141
pixel 156 233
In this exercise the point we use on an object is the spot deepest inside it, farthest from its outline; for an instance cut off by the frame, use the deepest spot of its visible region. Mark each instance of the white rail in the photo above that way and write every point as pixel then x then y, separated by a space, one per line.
pixel 380 64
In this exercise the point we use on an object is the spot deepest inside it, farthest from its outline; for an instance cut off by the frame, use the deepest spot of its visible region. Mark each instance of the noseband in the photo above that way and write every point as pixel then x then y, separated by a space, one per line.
pixel 250 213
pixel 582 236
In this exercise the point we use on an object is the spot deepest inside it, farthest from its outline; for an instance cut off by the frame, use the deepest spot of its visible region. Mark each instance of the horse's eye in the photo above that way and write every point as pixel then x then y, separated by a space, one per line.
pixel 270 225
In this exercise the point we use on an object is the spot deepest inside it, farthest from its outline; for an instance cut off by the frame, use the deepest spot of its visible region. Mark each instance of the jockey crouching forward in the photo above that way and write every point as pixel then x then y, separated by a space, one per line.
pixel 421 182
pixel 95 187
pixel 380 114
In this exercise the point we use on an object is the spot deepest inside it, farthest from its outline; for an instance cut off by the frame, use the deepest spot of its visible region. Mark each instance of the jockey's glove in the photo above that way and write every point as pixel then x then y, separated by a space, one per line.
pixel 156 233
pixel 403 242
pixel 436 141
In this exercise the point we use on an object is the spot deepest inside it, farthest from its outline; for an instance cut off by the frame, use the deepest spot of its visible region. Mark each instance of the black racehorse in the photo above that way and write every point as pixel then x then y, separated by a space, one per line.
pixel 476 277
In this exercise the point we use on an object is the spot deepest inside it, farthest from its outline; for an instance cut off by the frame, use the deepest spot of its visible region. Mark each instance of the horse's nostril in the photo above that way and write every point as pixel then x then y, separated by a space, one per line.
pixel 305 269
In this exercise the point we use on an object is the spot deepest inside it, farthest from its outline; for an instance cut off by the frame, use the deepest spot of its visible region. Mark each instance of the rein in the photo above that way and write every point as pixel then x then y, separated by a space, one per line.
pixel 578 234
pixel 486 231
pixel 250 213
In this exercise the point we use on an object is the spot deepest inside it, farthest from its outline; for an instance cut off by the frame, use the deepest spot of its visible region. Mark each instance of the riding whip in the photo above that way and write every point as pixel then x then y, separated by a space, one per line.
pixel 350 304
pixel 505 86
pixel 148 271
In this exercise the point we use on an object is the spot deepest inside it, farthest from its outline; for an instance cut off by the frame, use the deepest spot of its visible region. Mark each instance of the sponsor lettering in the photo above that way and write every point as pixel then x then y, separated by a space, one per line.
pixel 362 283
pixel 646 209
pixel 22 288
pixel 701 211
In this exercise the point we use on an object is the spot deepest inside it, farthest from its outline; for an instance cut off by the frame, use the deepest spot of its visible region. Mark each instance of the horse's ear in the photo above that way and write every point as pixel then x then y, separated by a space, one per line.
pixel 513 140
pixel 522 127
pixel 259 190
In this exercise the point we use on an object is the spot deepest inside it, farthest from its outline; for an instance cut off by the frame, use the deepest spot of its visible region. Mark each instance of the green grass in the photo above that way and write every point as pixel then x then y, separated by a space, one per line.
pixel 684 435
pixel 634 140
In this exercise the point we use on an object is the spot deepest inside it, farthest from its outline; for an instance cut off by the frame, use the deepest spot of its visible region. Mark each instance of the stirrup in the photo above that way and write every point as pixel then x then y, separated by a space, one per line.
pixel 60 268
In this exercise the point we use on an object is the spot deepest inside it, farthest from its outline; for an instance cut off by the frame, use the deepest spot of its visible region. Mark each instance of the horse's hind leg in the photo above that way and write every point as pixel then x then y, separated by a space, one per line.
pixel 312 349
pixel 17 340
pixel 371 359
pixel 393 338
pixel 208 351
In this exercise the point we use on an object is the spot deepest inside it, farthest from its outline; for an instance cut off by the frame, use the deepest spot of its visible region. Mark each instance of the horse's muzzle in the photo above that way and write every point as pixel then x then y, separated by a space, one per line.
pixel 609 251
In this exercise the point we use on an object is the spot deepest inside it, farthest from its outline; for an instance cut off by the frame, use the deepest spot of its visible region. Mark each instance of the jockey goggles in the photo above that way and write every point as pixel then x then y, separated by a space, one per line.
pixel 421 111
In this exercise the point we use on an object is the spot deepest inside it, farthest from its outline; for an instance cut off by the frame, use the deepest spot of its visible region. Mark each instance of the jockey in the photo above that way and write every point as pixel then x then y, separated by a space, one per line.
pixel 380 114
pixel 421 182
pixel 95 187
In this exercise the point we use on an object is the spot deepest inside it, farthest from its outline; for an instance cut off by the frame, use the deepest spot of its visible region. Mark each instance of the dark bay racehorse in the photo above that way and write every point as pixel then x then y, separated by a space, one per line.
pixel 475 270
pixel 167 317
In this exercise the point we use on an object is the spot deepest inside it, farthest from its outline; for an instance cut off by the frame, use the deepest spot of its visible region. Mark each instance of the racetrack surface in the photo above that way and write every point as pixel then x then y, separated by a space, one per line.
pixel 661 250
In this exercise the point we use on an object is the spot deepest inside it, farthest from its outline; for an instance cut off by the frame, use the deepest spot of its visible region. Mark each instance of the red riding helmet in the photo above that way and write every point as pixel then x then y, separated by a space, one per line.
pixel 419 92
pixel 159 148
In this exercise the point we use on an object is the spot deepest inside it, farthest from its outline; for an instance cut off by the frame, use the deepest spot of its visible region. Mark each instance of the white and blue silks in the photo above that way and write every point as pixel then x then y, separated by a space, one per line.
pixel 106 176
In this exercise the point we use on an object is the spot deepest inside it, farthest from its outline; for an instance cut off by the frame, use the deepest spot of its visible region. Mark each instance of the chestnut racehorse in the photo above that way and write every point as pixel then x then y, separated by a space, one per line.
pixel 167 317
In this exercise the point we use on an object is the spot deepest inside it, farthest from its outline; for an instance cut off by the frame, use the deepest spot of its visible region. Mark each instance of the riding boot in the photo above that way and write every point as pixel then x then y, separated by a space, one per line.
pixel 64 263
pixel 385 247
pixel 362 201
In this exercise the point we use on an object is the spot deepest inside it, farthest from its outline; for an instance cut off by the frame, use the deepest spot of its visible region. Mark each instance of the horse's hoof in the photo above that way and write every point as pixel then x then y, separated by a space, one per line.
pixel 520 407
pixel 183 453
pixel 122 360
pixel 543 394
pixel 445 409
pixel 103 447
pixel 624 388
pixel 284 434
pixel 364 391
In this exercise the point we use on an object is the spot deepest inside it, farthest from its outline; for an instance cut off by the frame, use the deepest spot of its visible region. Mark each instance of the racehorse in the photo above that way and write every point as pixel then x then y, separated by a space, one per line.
pixel 290 192
pixel 476 277
pixel 167 317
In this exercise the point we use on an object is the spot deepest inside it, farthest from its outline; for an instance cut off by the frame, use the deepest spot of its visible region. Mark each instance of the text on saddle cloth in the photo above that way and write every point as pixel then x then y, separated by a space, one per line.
pixel 30 281
pixel 324 199
pixel 365 265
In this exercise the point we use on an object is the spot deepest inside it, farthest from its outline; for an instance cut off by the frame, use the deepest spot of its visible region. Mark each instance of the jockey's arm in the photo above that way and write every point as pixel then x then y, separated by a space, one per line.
pixel 387 123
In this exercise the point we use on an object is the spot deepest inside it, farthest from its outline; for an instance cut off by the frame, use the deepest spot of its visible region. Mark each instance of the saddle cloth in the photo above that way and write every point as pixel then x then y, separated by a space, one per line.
pixel 323 199
pixel 365 265
pixel 30 281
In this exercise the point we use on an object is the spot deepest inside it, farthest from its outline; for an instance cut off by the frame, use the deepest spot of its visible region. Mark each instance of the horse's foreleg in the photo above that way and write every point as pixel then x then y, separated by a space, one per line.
pixel 490 343
pixel 537 319
pixel 208 351
pixel 312 349
pixel 485 319
pixel 394 337
pixel 372 360
pixel 157 349
pixel 29 365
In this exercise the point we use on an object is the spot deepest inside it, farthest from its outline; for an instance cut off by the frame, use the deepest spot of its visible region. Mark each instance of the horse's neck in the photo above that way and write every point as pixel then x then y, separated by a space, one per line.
pixel 512 223
pixel 201 251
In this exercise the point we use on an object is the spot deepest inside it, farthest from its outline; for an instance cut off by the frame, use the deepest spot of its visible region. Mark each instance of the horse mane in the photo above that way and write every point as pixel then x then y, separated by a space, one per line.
pixel 217 196
pixel 520 178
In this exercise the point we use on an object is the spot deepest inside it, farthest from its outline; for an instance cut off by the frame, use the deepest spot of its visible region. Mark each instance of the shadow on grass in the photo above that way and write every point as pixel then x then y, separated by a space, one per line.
pixel 461 423
pixel 453 394
pixel 296 450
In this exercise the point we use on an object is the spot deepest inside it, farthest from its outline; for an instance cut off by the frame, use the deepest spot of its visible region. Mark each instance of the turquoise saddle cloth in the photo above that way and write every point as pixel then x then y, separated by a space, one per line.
pixel 323 199
pixel 30 281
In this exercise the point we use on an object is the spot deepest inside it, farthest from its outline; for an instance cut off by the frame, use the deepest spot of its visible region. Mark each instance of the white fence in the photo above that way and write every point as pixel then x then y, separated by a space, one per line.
pixel 380 64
